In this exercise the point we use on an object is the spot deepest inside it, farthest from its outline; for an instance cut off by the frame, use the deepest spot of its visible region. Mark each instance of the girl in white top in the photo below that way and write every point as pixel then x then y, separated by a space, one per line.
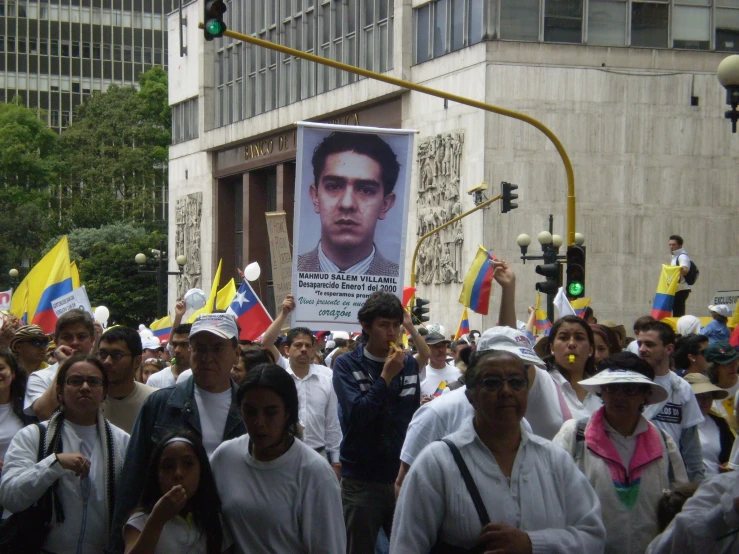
pixel 277 494
pixel 572 346
pixel 12 390
pixel 179 510
pixel 534 495
pixel 83 460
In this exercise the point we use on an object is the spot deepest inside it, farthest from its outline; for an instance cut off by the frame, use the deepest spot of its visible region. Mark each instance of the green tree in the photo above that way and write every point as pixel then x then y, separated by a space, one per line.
pixel 29 164
pixel 105 258
pixel 116 154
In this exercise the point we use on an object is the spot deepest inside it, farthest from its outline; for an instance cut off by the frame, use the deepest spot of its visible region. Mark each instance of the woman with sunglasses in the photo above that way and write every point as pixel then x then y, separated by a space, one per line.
pixel 628 461
pixel 532 495
pixel 81 462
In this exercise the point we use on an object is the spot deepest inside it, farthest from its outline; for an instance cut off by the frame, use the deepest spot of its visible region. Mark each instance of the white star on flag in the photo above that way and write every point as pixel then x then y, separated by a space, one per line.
pixel 240 298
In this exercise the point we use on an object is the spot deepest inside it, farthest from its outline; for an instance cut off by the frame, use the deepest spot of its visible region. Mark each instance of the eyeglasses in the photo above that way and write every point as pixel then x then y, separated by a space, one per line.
pixel 77 381
pixel 115 355
pixel 496 383
pixel 201 350
pixel 38 342
pixel 626 390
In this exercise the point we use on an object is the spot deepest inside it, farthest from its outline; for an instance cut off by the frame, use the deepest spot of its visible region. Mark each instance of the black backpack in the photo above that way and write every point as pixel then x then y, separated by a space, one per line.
pixel 692 275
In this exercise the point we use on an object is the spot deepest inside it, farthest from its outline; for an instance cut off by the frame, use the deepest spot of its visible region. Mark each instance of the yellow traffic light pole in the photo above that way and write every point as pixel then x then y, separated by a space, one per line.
pixel 440 94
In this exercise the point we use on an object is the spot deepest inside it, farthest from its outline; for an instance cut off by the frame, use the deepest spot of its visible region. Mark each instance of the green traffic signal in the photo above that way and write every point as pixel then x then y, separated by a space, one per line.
pixel 575 288
pixel 215 28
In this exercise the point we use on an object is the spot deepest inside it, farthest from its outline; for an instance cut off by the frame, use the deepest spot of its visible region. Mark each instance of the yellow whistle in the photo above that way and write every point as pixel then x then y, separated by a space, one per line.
pixel 392 345
pixel 572 358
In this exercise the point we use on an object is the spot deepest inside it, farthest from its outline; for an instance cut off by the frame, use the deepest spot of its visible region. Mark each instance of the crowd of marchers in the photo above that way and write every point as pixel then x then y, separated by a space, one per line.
pixel 577 441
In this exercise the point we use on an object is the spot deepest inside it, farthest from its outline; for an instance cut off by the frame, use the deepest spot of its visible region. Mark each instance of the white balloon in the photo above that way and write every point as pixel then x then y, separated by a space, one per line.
pixel 252 271
pixel 195 299
pixel 101 315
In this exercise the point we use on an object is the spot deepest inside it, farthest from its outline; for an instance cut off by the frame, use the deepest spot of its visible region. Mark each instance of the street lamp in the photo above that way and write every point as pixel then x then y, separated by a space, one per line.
pixel 551 268
pixel 161 273
pixel 728 76
pixel 13 277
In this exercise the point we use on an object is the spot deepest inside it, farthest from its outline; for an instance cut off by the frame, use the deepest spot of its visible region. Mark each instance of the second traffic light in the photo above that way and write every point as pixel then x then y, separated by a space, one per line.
pixel 508 197
pixel 575 271
pixel 420 310
pixel 214 25
pixel 553 278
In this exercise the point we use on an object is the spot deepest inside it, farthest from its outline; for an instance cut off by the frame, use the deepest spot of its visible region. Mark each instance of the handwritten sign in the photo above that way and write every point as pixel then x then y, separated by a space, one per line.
pixel 282 261
pixel 5 297
pixel 75 300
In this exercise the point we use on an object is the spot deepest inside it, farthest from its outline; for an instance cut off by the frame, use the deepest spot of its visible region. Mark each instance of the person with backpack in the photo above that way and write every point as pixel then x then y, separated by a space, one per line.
pixel 628 460
pixel 688 275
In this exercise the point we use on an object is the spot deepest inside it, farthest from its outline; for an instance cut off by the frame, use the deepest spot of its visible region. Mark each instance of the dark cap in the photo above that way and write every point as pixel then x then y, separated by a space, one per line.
pixel 435 338
pixel 720 353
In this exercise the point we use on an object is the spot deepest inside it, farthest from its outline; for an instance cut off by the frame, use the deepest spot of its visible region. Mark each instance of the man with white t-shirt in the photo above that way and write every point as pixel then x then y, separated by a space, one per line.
pixel 203 405
pixel 680 414
pixel 317 403
pixel 680 258
pixel 179 340
pixel 438 371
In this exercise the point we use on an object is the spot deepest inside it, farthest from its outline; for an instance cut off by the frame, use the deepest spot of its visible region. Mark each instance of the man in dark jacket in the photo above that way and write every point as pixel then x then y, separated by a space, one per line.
pixel 203 404
pixel 378 391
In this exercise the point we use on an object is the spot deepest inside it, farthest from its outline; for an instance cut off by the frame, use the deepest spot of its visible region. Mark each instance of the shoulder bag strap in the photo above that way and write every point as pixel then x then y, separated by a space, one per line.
pixel 41 450
pixel 470 482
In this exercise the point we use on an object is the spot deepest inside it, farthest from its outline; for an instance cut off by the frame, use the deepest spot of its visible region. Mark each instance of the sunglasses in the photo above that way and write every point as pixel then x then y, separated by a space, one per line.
pixel 77 381
pixel 496 383
pixel 38 342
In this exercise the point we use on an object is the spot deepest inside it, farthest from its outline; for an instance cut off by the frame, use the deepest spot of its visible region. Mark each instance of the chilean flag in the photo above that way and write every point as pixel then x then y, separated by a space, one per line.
pixel 249 312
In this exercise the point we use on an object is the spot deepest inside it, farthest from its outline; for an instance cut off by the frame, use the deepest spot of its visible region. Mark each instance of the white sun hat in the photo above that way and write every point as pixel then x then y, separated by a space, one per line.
pixel 624 377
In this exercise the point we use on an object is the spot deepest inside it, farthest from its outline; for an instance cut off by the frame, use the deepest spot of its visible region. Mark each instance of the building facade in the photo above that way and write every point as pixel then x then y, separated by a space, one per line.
pixel 628 87
pixel 53 53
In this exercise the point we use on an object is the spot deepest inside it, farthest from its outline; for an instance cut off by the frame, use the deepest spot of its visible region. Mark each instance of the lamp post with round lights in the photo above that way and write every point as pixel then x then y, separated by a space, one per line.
pixel 551 269
pixel 13 274
pixel 728 76
pixel 160 256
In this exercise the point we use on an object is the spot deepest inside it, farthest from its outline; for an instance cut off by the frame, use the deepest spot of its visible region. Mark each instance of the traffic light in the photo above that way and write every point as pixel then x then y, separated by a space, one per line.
pixel 553 278
pixel 508 197
pixel 420 311
pixel 214 26
pixel 575 271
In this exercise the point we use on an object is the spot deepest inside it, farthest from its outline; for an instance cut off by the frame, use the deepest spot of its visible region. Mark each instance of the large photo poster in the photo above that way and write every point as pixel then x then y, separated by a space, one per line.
pixel 352 189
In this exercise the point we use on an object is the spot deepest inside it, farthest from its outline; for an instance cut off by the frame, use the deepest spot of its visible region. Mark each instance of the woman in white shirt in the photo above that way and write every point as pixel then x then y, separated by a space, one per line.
pixel 12 390
pixel 572 347
pixel 534 497
pixel 277 494
pixel 83 457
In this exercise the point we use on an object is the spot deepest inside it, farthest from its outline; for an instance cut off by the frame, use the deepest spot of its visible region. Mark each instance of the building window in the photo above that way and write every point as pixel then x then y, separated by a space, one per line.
pixel 65 48
pixel 147 54
pixel 54 118
pixel 21 45
pixel 54 47
pixel 32 46
pixel 76 87
pixel 691 27
pixel 607 22
pixel 127 55
pixel 43 12
pixel 75 49
pixel 11 8
pixel 85 49
pixel 96 51
pixel 519 19
pixel 11 45
pixel 563 21
pixel 185 121
pixel 727 27
pixel 445 26
pixel 107 52
pixel 649 23
pixel 65 119
pixel 2 43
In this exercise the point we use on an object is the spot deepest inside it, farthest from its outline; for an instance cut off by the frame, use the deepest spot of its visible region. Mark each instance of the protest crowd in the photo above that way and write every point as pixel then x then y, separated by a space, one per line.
pixel 398 439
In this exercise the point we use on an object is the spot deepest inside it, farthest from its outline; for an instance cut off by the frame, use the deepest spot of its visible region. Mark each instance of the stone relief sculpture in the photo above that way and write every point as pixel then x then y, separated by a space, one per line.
pixel 439 163
pixel 188 214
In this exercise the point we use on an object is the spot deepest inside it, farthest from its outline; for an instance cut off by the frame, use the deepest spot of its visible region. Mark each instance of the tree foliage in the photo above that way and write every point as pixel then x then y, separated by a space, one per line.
pixel 116 155
pixel 105 258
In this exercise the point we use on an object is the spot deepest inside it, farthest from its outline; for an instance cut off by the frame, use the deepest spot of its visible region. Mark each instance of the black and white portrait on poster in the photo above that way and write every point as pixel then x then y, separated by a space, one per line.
pixel 352 190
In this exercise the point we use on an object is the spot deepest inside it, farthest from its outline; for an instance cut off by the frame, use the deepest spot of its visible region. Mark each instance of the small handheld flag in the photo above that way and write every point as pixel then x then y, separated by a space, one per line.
pixel 162 328
pixel 666 289
pixel 579 305
pixel 478 283
pixel 541 320
pixel 250 313
pixel 464 326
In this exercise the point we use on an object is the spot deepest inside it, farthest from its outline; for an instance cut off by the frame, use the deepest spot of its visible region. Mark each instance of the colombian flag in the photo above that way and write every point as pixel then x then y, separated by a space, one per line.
pixel 19 302
pixel 226 295
pixel 464 326
pixel 48 280
pixel 579 305
pixel 541 320
pixel 162 328
pixel 666 289
pixel 478 283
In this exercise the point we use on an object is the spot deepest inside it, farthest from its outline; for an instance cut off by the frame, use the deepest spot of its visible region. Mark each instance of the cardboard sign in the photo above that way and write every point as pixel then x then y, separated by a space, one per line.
pixel 282 260
pixel 5 297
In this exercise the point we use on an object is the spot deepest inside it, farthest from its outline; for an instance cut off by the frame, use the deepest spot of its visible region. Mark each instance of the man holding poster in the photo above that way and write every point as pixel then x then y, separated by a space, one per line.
pixel 350 219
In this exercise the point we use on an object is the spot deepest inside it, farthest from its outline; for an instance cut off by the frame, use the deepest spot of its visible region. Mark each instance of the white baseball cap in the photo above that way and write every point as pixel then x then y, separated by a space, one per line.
pixel 149 342
pixel 509 340
pixel 624 377
pixel 221 325
pixel 720 309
